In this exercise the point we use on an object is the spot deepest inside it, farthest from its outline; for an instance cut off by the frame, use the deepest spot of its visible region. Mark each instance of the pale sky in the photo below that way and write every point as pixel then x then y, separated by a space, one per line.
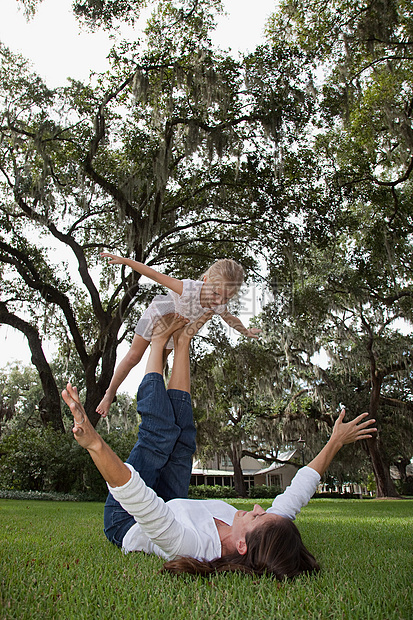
pixel 57 49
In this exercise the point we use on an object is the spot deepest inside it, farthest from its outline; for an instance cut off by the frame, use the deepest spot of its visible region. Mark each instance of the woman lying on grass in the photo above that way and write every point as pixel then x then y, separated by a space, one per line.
pixel 196 536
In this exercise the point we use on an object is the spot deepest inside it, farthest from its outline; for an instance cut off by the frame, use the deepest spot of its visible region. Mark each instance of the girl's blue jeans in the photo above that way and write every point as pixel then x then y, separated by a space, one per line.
pixel 163 453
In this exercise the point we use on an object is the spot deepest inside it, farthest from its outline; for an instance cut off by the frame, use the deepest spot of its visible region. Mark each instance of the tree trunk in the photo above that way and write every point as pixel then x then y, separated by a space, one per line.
pixel 380 463
pixel 94 395
pixel 49 405
pixel 239 484
pixel 105 350
pixel 381 469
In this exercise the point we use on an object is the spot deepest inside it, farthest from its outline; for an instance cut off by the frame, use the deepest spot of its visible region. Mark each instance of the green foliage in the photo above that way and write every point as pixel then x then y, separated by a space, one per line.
pixel 205 491
pixel 38 460
pixel 298 155
pixel 265 491
pixel 167 158
pixel 95 13
pixel 49 496
pixel 371 483
pixel 344 286
pixel 232 400
pixel 45 461
pixel 405 487
pixel 20 394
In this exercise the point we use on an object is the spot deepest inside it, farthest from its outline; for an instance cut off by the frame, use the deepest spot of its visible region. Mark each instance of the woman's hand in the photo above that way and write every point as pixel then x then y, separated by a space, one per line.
pixel 355 430
pixel 342 434
pixel 83 431
pixel 108 463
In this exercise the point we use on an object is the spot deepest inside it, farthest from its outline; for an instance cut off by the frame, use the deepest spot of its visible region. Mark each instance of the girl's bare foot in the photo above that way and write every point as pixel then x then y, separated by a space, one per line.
pixel 104 405
pixel 166 326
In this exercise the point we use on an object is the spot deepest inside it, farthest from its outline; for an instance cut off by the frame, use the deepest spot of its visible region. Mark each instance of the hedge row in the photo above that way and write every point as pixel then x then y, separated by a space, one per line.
pixel 41 460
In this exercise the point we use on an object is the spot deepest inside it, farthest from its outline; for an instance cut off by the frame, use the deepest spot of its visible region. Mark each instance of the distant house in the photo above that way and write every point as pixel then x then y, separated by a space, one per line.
pixel 278 473
pixel 219 471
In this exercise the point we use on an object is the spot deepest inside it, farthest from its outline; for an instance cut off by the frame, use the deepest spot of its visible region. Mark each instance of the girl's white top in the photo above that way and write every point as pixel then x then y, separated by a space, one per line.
pixel 186 527
pixel 188 304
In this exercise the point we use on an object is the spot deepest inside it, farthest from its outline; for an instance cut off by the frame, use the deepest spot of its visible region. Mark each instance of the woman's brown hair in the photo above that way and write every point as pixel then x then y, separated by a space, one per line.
pixel 275 549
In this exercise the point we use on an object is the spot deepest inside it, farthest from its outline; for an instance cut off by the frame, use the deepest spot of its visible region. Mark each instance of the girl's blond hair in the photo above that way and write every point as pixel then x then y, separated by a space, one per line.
pixel 227 271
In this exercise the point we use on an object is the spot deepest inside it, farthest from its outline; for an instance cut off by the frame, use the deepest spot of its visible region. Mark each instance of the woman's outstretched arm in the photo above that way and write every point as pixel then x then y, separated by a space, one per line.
pixel 153 515
pixel 108 463
pixel 343 433
pixel 305 482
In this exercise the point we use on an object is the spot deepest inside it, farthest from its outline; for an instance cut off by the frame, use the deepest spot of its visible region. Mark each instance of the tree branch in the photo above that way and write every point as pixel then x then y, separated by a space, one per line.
pixel 78 252
pixel 396 403
pixel 49 405
pixel 50 294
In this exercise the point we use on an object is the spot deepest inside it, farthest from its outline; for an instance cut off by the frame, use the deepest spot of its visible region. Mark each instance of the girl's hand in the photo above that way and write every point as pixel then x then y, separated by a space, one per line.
pixel 114 260
pixel 352 431
pixel 253 332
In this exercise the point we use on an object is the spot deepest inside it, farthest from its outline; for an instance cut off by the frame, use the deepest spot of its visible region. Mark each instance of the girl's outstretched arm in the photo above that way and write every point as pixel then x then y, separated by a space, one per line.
pixel 172 283
pixel 108 463
pixel 342 434
pixel 236 323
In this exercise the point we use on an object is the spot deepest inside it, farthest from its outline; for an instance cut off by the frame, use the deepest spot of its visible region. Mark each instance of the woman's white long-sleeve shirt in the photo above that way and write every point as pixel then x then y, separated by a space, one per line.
pixel 186 527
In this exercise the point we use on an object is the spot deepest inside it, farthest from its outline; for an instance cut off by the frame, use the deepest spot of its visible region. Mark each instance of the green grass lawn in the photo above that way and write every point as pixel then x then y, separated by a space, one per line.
pixel 56 563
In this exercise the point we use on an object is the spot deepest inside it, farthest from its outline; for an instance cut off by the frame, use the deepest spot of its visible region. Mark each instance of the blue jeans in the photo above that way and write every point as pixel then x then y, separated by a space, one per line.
pixel 163 453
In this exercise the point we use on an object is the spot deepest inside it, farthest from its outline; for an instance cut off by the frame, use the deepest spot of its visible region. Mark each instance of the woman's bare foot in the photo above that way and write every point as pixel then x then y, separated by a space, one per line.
pixel 104 405
pixel 83 431
pixel 186 333
pixel 166 326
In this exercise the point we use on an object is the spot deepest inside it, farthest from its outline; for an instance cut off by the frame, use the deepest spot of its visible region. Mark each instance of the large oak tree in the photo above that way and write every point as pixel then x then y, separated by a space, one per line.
pixel 168 158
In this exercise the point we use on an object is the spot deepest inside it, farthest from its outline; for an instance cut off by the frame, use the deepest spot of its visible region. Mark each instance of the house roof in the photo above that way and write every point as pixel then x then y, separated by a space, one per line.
pixel 286 456
pixel 283 456
pixel 212 472
pixel 221 472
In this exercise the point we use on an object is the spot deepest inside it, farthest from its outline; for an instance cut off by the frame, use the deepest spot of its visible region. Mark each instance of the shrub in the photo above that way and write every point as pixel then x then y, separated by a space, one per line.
pixel 264 491
pixel 39 495
pixel 37 460
pixel 45 461
pixel 405 487
pixel 337 495
pixel 205 491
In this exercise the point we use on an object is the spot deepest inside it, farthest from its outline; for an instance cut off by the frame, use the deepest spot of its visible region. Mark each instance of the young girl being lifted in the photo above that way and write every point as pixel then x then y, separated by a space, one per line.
pixel 188 298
